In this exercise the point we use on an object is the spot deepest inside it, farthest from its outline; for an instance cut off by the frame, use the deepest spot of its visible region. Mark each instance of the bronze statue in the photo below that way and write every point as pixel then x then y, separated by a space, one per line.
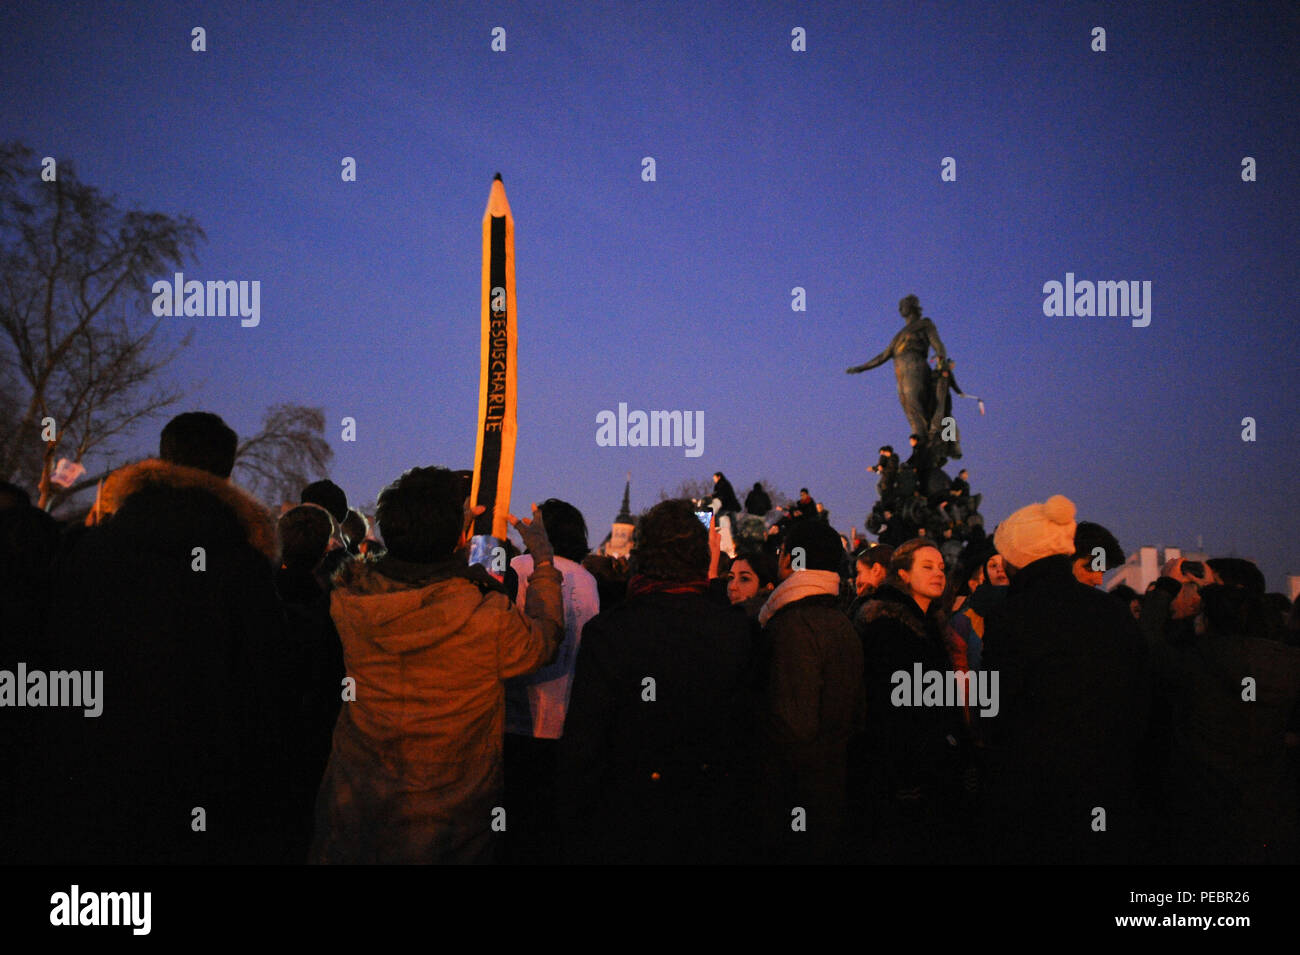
pixel 944 383
pixel 918 392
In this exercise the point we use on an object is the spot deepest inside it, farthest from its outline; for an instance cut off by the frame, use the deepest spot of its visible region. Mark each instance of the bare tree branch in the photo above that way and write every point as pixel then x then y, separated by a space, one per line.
pixel 75 270
pixel 286 455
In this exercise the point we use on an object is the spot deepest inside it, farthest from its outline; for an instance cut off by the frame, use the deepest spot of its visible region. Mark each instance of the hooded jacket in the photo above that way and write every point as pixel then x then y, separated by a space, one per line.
pixel 416 770
pixel 172 597
pixel 255 523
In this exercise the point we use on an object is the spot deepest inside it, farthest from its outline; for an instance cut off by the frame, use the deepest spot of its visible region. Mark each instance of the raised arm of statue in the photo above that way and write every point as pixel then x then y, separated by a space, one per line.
pixel 876 362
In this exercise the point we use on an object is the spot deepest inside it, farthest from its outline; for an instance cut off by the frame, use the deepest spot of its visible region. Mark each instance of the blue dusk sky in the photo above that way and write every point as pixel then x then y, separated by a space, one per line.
pixel 774 168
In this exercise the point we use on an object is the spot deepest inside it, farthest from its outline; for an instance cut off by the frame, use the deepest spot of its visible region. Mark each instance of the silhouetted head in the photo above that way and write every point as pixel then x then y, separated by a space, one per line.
pixel 305 533
pixel 329 496
pixel 1239 572
pixel 421 514
pixel 671 543
pixel 566 528
pixel 199 439
pixel 11 495
pixel 810 545
pixel 909 307
pixel 1095 551
pixel 355 527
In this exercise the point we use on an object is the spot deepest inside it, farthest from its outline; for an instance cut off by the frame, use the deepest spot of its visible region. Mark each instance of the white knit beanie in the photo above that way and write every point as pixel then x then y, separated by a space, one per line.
pixel 1036 531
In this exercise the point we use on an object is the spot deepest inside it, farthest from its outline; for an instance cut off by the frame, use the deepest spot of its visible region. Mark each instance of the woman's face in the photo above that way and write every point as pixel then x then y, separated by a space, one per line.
pixel 997 572
pixel 743 582
pixel 926 578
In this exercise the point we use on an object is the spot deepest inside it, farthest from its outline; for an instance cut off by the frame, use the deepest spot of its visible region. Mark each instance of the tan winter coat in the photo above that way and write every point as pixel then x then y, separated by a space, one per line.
pixel 415 773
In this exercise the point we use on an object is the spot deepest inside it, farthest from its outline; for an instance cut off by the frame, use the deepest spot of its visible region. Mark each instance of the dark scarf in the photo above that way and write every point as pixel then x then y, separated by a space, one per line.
pixel 986 598
pixel 640 585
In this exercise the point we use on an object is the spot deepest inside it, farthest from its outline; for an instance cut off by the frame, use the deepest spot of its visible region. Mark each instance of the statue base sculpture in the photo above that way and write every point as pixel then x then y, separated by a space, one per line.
pixel 916 502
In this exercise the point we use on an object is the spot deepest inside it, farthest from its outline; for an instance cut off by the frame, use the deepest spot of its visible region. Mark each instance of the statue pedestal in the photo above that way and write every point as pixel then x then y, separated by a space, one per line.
pixel 920 504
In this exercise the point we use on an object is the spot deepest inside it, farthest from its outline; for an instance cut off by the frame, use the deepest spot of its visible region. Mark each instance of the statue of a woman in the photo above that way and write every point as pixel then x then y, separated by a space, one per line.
pixel 910 349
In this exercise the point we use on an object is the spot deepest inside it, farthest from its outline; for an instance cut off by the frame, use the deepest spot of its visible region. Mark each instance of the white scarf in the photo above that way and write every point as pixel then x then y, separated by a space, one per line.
pixel 800 584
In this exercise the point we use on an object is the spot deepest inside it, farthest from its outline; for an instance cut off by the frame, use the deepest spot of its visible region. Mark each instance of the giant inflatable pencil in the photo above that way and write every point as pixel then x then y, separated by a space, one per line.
pixel 494 457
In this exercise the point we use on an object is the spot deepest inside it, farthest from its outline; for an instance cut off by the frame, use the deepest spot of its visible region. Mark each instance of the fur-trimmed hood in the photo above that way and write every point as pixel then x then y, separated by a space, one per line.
pixel 892 604
pixel 255 520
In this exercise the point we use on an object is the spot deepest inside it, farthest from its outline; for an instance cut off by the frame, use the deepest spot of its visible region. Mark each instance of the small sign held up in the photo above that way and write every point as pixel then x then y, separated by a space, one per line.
pixel 66 472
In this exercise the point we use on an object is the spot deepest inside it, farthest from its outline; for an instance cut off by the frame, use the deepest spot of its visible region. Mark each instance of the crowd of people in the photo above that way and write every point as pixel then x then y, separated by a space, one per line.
pixel 315 689
pixel 919 500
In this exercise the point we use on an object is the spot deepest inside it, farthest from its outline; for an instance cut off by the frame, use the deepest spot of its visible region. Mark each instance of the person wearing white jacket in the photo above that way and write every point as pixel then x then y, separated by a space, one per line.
pixel 536 704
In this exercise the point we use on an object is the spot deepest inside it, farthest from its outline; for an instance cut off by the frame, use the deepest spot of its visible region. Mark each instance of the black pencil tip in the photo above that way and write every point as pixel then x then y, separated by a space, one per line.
pixel 497 178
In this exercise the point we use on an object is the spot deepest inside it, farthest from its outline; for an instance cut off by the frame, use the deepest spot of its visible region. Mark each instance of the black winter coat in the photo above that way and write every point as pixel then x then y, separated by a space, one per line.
pixel 194 667
pixel 906 747
pixel 658 772
pixel 29 542
pixel 316 682
pixel 1074 705
pixel 726 495
pixel 812 706
pixel 1229 798
pixel 757 501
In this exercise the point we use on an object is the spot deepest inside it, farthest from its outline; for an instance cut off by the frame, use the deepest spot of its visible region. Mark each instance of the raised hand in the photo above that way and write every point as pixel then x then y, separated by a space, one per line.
pixel 533 531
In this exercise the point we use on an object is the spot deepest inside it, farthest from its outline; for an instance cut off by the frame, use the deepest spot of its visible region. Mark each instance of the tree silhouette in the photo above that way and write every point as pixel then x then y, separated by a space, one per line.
pixel 286 455
pixel 79 349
